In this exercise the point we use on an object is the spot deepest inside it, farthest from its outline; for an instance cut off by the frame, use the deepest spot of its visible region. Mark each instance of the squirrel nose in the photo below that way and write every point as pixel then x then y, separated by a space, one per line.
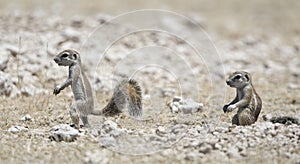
pixel 227 82
pixel 56 60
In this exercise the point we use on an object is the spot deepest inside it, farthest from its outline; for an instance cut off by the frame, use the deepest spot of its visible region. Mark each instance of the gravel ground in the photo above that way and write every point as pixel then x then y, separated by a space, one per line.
pixel 170 55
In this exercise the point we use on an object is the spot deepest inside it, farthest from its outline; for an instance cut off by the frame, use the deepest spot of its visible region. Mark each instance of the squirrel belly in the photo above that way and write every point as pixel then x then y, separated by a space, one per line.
pixel 129 93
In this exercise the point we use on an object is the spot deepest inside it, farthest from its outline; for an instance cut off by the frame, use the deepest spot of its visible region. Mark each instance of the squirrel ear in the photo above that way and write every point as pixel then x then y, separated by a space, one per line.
pixel 75 56
pixel 247 77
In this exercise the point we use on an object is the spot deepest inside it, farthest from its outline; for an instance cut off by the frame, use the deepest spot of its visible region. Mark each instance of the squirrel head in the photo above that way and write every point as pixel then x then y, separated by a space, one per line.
pixel 239 79
pixel 67 58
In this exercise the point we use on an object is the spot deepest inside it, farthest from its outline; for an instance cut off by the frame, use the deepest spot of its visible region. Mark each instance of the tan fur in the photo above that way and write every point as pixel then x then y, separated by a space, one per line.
pixel 127 92
pixel 247 100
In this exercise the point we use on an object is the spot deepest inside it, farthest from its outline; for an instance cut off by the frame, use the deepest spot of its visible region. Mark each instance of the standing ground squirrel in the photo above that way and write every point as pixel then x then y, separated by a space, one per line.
pixel 128 91
pixel 247 100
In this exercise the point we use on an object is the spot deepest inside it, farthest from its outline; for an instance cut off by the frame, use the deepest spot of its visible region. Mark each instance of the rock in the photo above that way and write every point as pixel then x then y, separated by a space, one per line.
pixel 221 129
pixel 195 143
pixel 264 125
pixel 27 117
pixel 244 153
pixel 117 56
pixel 161 131
pixel 108 126
pixel 267 117
pixel 294 66
pixel 293 86
pixel 190 106
pixel 7 88
pixel 168 92
pixel 274 66
pixel 95 157
pixel 272 132
pixel 217 146
pixel 3 62
pixel 107 141
pixel 17 129
pixel 177 99
pixel 205 148
pixel 174 108
pixel 103 18
pixel 14 50
pixel 178 128
pixel 63 132
pixel 95 132
pixel 32 68
pixel 37 133
pixel 186 106
pixel 111 124
pixel 192 156
pixel 250 40
pixel 258 134
pixel 233 152
pixel 77 22
pixel 193 132
pixel 71 35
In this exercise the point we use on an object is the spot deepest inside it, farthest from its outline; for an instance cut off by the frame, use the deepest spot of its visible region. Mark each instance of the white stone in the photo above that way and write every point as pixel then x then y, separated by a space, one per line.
pixel 7 88
pixel 107 141
pixel 17 129
pixel 3 62
pixel 186 106
pixel 27 117
pixel 95 157
pixel 63 132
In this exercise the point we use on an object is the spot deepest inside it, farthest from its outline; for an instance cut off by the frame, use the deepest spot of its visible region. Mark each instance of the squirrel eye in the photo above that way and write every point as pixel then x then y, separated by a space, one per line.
pixel 237 77
pixel 64 55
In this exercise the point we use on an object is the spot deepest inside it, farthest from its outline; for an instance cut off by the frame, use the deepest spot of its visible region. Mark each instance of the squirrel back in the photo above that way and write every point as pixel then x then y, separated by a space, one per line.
pixel 127 92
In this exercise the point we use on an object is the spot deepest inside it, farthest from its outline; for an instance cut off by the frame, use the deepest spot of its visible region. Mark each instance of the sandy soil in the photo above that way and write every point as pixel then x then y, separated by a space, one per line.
pixel 187 52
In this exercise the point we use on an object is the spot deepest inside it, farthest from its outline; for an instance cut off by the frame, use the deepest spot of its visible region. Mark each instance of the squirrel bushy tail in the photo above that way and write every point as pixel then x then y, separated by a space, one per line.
pixel 134 98
pixel 127 92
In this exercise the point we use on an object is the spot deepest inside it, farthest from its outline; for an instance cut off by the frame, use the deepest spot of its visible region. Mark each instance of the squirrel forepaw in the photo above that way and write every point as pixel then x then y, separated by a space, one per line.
pixel 225 108
pixel 56 90
pixel 231 108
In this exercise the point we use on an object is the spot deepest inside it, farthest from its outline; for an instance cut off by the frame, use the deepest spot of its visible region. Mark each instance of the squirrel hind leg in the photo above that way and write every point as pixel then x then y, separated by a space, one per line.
pixel 235 120
pixel 246 117
pixel 85 121
pixel 74 115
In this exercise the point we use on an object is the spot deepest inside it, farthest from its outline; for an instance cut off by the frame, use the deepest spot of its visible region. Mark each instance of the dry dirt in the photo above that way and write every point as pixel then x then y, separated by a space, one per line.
pixel 187 52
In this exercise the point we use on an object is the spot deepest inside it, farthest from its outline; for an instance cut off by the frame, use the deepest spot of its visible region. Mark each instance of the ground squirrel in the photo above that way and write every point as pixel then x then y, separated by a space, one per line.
pixel 127 92
pixel 247 100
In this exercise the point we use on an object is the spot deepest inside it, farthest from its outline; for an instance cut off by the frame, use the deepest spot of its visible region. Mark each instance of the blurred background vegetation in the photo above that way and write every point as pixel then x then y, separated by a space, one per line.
pixel 230 18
